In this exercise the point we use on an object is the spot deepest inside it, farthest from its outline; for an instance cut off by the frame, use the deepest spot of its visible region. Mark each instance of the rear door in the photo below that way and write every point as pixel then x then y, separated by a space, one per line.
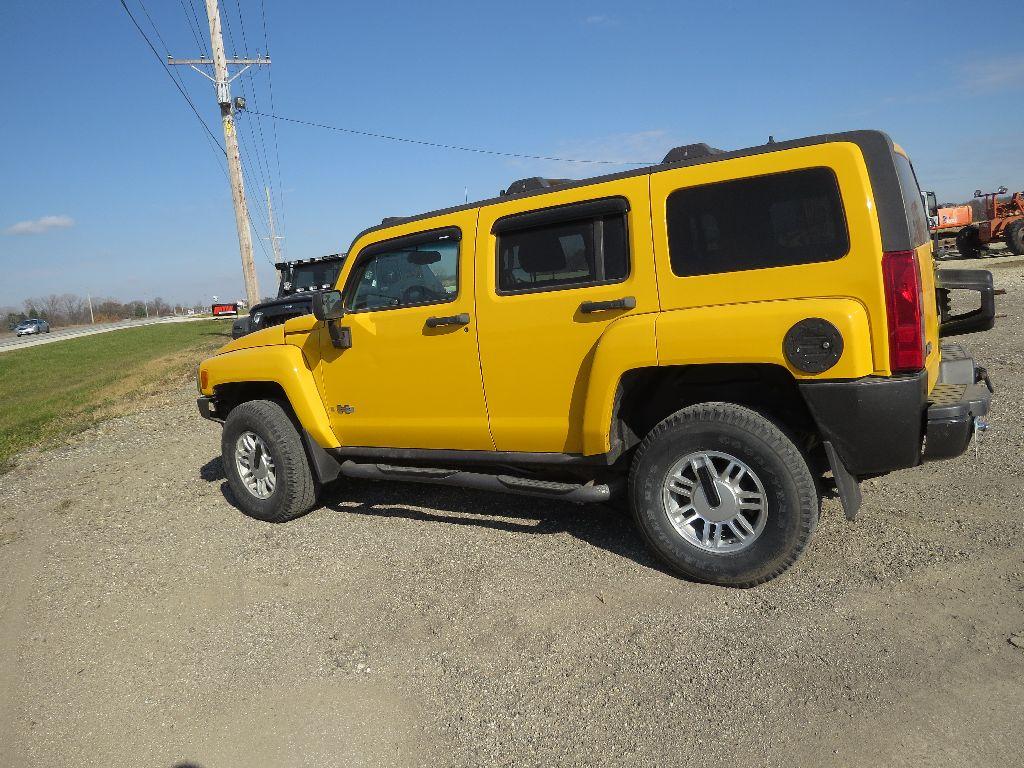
pixel 551 279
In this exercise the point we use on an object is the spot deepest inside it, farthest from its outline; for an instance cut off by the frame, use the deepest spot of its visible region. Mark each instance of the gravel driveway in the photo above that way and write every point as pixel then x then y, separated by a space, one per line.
pixel 144 621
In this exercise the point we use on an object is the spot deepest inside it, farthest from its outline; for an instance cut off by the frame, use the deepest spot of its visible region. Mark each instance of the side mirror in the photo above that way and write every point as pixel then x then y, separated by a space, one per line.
pixel 327 306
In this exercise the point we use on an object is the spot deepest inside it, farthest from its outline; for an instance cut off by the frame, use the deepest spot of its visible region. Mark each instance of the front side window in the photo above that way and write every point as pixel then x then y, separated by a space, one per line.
pixel 406 275
pixel 563 254
pixel 781 219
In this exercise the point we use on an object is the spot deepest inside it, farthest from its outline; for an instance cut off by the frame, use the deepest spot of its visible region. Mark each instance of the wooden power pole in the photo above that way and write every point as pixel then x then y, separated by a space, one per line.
pixel 222 81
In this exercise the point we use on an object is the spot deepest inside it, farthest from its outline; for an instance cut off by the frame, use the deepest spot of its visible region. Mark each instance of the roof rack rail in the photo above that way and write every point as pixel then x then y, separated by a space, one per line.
pixel 690 152
pixel 533 184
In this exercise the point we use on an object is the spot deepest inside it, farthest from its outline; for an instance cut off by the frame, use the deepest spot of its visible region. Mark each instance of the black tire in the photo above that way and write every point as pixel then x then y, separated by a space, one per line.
pixel 789 488
pixel 295 492
pixel 968 243
pixel 1015 237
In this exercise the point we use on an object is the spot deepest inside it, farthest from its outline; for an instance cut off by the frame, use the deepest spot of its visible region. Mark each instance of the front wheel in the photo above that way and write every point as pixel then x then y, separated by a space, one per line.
pixel 265 462
pixel 722 495
pixel 1015 237
pixel 968 242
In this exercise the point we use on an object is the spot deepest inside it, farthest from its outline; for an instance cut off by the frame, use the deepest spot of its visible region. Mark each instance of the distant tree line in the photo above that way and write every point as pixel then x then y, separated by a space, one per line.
pixel 72 309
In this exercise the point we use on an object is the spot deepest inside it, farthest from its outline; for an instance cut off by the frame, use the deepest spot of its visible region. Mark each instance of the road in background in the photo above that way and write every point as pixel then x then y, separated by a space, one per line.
pixel 10 341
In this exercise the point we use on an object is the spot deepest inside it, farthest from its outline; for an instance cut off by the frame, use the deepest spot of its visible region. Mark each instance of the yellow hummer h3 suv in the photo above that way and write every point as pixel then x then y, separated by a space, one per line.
pixel 722 338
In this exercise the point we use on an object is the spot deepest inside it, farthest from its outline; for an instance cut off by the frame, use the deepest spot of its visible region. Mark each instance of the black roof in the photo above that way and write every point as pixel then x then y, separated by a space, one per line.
pixel 876 146
pixel 314 260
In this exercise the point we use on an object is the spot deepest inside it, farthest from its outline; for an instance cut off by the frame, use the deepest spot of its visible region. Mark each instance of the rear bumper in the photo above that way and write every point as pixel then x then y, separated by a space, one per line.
pixel 881 424
pixel 962 395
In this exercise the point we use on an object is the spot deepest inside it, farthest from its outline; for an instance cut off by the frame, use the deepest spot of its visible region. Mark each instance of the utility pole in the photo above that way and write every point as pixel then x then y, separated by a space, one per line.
pixel 92 318
pixel 274 237
pixel 222 82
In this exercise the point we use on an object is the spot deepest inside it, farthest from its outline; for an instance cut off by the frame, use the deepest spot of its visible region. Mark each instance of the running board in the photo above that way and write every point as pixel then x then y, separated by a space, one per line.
pixel 589 493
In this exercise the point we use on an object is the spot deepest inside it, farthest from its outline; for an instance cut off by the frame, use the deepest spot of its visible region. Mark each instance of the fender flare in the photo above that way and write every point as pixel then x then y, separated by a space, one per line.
pixel 285 366
pixel 733 333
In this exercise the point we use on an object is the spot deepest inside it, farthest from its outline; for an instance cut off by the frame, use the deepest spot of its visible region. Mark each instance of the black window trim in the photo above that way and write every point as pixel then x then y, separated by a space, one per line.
pixel 596 210
pixel 842 211
pixel 397 244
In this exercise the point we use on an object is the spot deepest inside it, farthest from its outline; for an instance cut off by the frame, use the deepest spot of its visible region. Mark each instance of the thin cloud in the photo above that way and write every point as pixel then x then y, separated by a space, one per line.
pixel 999 73
pixel 598 20
pixel 40 225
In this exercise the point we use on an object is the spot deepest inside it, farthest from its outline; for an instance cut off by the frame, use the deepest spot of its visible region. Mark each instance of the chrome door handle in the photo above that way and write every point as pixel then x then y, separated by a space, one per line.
pixel 438 322
pixel 626 302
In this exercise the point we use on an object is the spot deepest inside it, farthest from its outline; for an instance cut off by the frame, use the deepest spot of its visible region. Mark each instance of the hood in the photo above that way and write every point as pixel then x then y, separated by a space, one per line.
pixel 303 297
pixel 266 338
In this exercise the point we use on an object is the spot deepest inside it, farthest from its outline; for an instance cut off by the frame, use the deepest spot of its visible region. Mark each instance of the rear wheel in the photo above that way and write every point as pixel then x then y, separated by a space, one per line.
pixel 722 495
pixel 265 462
pixel 1015 237
pixel 968 243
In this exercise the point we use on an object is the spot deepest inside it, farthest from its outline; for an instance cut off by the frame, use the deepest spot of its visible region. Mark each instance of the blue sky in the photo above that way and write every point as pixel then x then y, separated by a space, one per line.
pixel 110 187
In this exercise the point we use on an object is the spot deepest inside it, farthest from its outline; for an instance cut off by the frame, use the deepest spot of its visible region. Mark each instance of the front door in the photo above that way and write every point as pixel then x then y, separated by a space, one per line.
pixel 411 378
pixel 550 281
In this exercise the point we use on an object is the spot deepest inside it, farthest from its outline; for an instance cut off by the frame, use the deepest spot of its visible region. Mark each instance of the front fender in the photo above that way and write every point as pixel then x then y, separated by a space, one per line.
pixel 283 365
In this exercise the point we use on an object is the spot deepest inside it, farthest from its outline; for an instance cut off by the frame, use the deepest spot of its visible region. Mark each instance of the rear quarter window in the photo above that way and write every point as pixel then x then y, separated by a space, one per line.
pixel 777 220
pixel 917 220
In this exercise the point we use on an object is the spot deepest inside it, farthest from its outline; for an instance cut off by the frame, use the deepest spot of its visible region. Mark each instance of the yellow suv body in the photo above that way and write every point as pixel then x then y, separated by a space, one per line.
pixel 728 333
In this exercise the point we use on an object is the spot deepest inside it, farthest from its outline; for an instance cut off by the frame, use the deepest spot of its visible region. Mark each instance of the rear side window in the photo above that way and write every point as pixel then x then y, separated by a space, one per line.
pixel 565 253
pixel 778 220
pixel 917 220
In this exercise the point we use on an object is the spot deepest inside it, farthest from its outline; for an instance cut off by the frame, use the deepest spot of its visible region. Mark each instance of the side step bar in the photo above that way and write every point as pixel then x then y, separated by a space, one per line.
pixel 588 493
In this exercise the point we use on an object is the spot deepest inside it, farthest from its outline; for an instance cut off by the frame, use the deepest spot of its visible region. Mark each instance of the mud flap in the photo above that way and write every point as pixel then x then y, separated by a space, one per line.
pixel 847 485
pixel 326 468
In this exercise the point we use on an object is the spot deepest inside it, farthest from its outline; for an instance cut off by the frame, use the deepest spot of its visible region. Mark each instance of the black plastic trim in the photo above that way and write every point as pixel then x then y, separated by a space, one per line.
pixel 876 147
pixel 410 241
pixel 875 424
pixel 448 456
pixel 975 280
pixel 847 486
pixel 575 492
pixel 208 409
pixel 590 307
pixel 325 467
pixel 590 209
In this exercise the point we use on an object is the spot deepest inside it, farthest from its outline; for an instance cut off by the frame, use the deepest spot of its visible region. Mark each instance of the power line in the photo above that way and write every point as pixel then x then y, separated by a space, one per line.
pixel 438 145
pixel 263 157
pixel 177 85
pixel 185 95
pixel 273 123
pixel 193 25
pixel 261 163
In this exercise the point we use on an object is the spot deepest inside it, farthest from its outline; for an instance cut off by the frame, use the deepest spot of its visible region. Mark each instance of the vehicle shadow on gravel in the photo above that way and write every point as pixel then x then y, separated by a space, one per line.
pixel 597 524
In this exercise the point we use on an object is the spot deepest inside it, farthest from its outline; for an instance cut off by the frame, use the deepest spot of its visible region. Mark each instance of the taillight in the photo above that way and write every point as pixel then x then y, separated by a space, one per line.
pixel 904 304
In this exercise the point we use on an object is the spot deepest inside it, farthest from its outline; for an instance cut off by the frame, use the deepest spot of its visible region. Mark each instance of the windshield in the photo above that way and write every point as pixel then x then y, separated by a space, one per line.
pixel 315 275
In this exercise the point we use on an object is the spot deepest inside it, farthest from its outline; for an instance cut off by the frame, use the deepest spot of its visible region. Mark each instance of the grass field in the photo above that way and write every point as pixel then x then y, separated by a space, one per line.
pixel 55 390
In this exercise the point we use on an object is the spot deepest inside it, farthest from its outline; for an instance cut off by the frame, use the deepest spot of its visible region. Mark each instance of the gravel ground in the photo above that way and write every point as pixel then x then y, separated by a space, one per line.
pixel 145 621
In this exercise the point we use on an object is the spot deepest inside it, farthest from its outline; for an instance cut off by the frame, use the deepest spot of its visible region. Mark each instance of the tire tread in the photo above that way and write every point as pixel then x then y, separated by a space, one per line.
pixel 766 430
